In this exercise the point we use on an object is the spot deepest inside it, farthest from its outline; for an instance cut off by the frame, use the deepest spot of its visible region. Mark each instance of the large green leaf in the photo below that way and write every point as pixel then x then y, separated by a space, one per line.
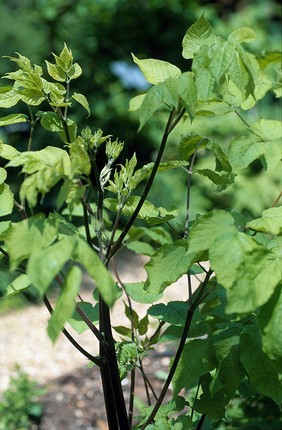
pixel 6 200
pixel 156 71
pixel 33 161
pixel 148 212
pixel 257 277
pixel 191 142
pixel 227 255
pixel 193 364
pixel 13 118
pixel 66 303
pixel 221 60
pixel 173 312
pixel 259 368
pixel 151 102
pixel 270 321
pixel 43 266
pixel 242 34
pixel 196 36
pixel 225 347
pixel 7 152
pixel 167 265
pixel 211 405
pixel 8 97
pixel 209 227
pixel 138 293
pixel 19 284
pixel 270 221
pixel 28 237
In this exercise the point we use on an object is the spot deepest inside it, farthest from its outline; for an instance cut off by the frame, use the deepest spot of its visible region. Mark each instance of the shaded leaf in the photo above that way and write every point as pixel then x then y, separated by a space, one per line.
pixel 258 366
pixel 6 200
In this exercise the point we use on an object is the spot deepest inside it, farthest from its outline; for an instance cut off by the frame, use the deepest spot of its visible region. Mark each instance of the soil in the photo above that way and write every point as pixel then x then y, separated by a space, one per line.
pixel 74 401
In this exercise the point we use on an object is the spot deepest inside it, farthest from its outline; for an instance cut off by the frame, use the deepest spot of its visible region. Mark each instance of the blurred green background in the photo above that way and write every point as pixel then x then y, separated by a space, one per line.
pixel 102 34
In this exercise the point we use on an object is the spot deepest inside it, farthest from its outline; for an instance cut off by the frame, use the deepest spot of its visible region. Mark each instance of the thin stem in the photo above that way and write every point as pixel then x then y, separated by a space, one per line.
pixel 147 382
pixel 188 199
pixel 95 360
pixel 276 201
pixel 242 119
pixel 169 127
pixel 179 351
pixel 86 223
pixel 131 398
pixel 201 422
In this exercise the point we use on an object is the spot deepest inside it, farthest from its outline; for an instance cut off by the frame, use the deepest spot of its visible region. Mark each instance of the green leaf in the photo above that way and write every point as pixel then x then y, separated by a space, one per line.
pixel 136 102
pixel 66 302
pixel 13 118
pixel 196 36
pixel 44 265
pixel 173 312
pixel 3 175
pixel 132 315
pixel 27 237
pixel 80 162
pixel 152 101
pixel 92 313
pixel 156 71
pixel 222 179
pixel 257 277
pixel 258 366
pixel 75 71
pixel 225 263
pixel 8 97
pixel 270 320
pixel 139 247
pixel 34 161
pixel 191 142
pixel 167 265
pixel 242 34
pixel 85 255
pixel 52 122
pixel 82 100
pixel 18 285
pixel 193 364
pixel 56 72
pixel 267 129
pixel 6 200
pixel 143 325
pixel 225 347
pixel 7 152
pixel 270 221
pixel 65 59
pixel 221 60
pixel 138 293
pixel 213 406
pixel 243 150
pixel 209 227
pixel 148 212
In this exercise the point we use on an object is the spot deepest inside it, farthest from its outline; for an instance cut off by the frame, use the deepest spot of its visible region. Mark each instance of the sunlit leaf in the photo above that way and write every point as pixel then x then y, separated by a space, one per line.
pixel 156 71
pixel 6 200
pixel 196 36
pixel 66 302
